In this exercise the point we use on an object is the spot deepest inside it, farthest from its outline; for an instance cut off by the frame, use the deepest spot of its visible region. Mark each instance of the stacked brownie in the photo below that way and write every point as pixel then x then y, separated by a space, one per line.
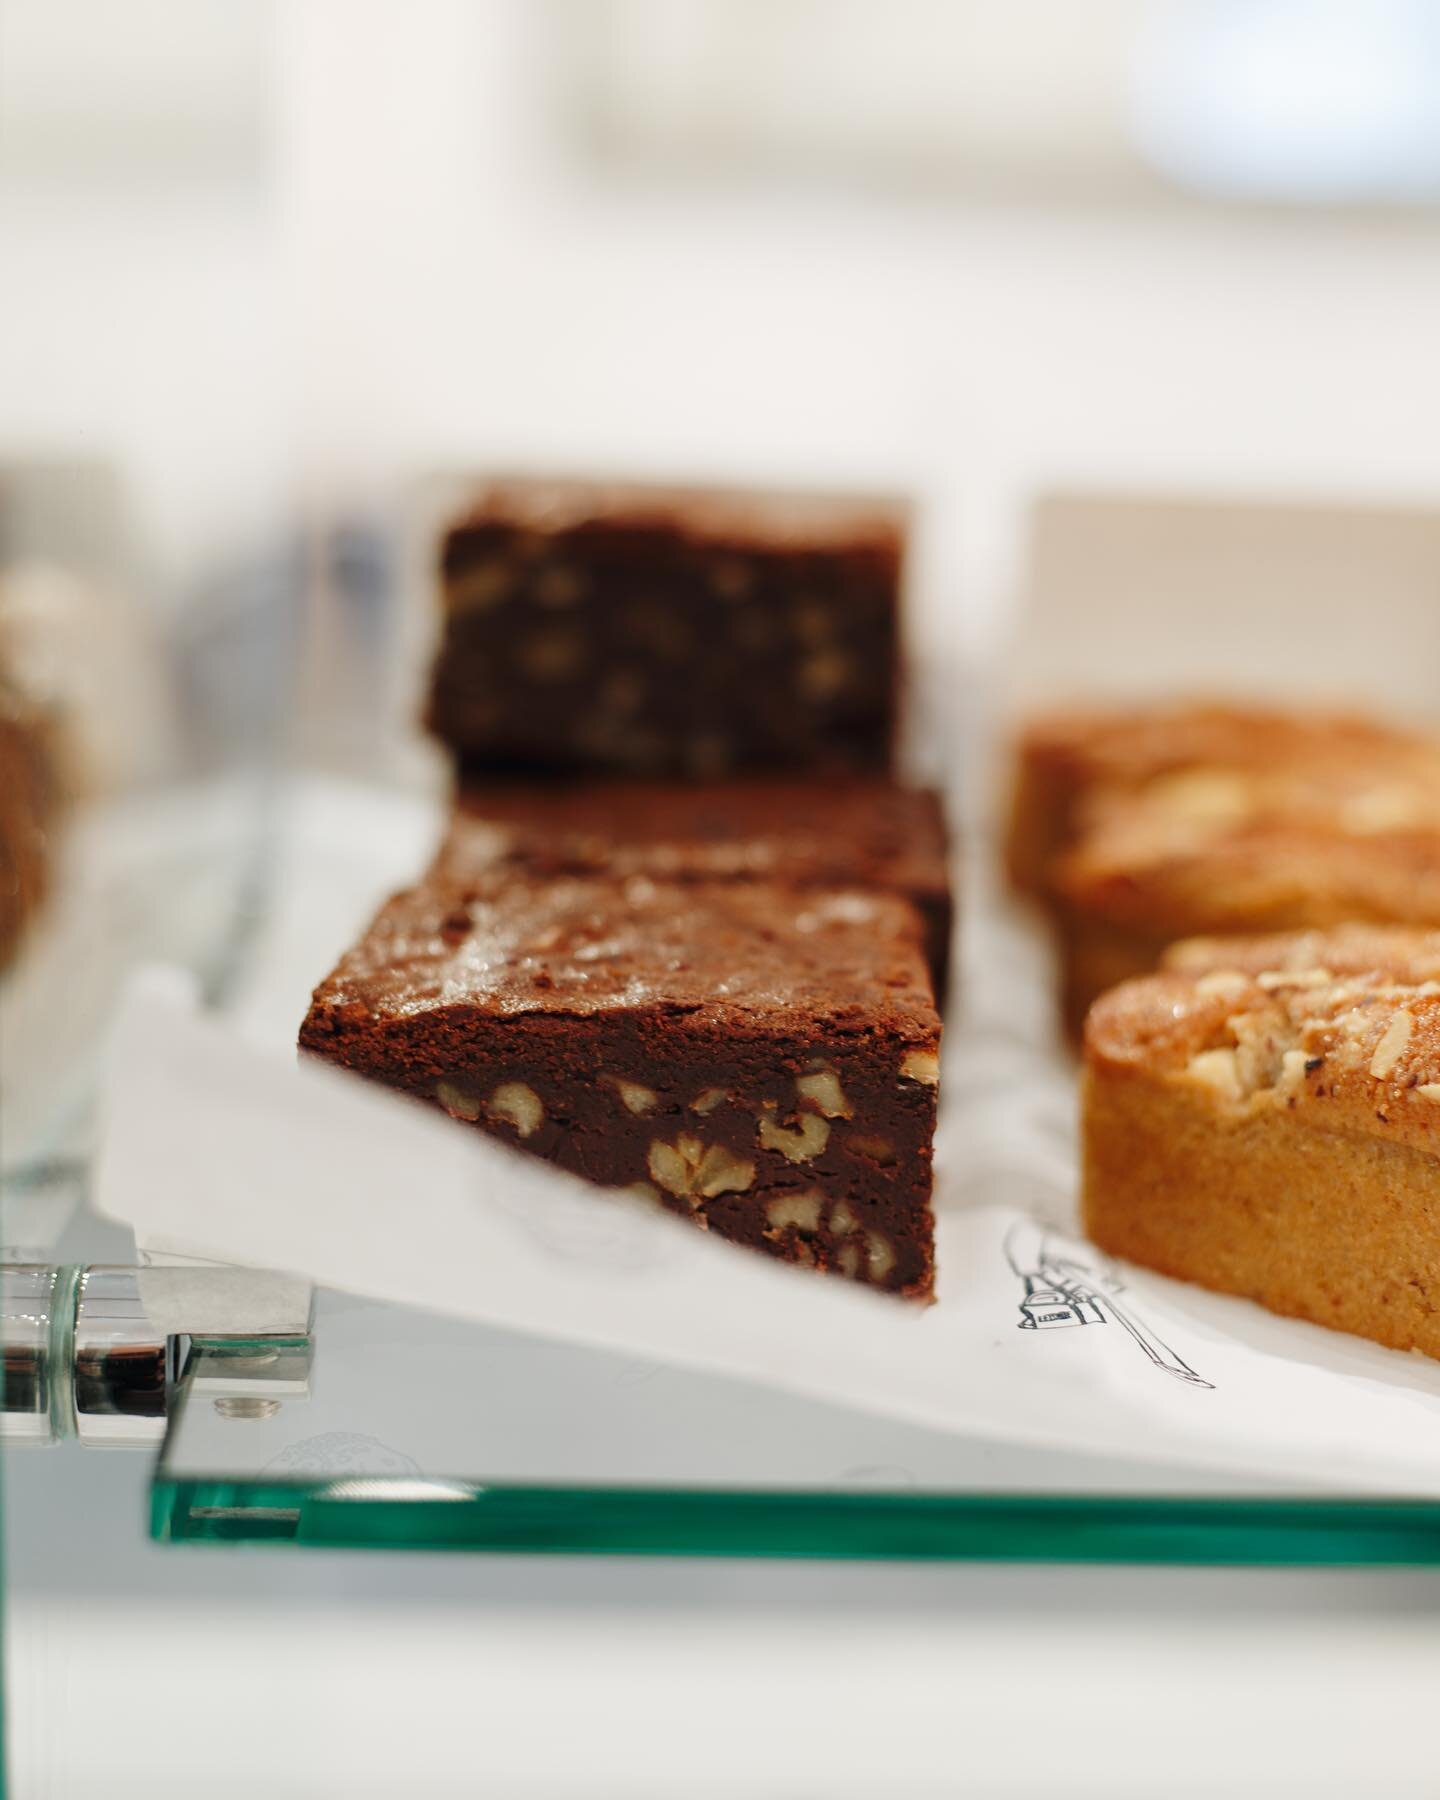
pixel 666 631
pixel 861 831
pixel 685 930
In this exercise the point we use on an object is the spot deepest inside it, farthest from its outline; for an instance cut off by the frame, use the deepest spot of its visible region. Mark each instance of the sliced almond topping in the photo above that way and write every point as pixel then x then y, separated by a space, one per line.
pixel 1430 1090
pixel 1217 1069
pixel 1223 981
pixel 1272 979
pixel 1392 1044
pixel 1292 1069
pixel 1207 796
pixel 1381 809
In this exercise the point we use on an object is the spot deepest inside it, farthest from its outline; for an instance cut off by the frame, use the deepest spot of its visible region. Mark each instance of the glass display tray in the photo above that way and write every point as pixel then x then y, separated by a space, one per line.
pixel 395 1428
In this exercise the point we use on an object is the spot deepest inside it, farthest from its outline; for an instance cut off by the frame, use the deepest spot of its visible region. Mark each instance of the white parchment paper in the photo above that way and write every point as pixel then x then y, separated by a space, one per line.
pixel 217 1144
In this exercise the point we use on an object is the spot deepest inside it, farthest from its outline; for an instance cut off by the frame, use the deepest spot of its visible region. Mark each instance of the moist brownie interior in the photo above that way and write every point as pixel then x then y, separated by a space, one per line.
pixel 760 1058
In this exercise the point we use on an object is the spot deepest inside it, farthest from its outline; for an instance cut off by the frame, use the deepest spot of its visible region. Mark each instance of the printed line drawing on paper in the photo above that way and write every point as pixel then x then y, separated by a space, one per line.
pixel 1063 1289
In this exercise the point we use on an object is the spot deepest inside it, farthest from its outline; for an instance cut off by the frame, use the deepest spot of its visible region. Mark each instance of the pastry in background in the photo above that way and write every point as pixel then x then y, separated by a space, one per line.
pixel 1067 757
pixel 1320 850
pixel 1263 1118
pixel 1293 822
pixel 592 628
pixel 90 659
pixel 28 801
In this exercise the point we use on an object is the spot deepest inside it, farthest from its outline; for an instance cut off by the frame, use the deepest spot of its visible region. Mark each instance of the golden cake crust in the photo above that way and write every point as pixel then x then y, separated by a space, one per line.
pixel 1278 878
pixel 1292 822
pixel 1399 950
pixel 1263 1118
pixel 1068 756
pixel 1354 1051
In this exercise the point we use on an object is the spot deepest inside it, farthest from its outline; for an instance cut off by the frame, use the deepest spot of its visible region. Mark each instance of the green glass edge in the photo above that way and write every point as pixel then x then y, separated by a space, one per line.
pixel 242 1349
pixel 915 1527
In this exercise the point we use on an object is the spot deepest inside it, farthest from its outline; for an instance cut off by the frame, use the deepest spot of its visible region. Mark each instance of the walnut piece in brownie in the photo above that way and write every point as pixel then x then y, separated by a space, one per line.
pixel 668 631
pixel 760 1059
pixel 1264 1119
pixel 849 832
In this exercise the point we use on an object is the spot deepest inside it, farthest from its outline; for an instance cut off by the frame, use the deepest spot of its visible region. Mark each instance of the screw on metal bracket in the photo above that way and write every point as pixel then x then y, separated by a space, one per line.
pixel 246 1406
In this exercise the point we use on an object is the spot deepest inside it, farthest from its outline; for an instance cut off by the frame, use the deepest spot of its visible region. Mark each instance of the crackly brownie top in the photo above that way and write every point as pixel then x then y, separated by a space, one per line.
pixel 736 956
pixel 708 517
pixel 1341 1027
pixel 805 832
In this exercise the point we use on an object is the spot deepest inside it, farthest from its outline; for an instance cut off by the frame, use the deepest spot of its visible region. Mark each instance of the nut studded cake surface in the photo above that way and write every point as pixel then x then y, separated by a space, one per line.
pixel 760 1059
pixel 28 803
pixel 1070 757
pixel 1386 951
pixel 669 632
pixel 852 832
pixel 1212 851
pixel 1264 1118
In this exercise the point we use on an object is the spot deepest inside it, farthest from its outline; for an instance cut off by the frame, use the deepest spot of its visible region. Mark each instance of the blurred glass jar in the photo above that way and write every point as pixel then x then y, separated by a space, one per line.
pixel 139 745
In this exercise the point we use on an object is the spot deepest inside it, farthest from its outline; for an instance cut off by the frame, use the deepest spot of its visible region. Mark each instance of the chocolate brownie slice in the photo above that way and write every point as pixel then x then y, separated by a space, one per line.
pixel 761 1059
pixel 668 631
pixel 853 832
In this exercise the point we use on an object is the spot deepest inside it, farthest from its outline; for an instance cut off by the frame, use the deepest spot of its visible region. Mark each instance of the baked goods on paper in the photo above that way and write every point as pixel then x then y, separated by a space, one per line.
pixel 762 1060
pixel 1263 1118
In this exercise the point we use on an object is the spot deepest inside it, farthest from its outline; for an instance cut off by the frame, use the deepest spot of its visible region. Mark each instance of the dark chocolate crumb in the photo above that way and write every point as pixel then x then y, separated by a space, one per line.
pixel 455 926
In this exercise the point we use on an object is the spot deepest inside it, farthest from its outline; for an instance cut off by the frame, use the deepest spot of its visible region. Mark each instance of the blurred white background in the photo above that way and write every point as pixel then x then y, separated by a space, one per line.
pixel 319 250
